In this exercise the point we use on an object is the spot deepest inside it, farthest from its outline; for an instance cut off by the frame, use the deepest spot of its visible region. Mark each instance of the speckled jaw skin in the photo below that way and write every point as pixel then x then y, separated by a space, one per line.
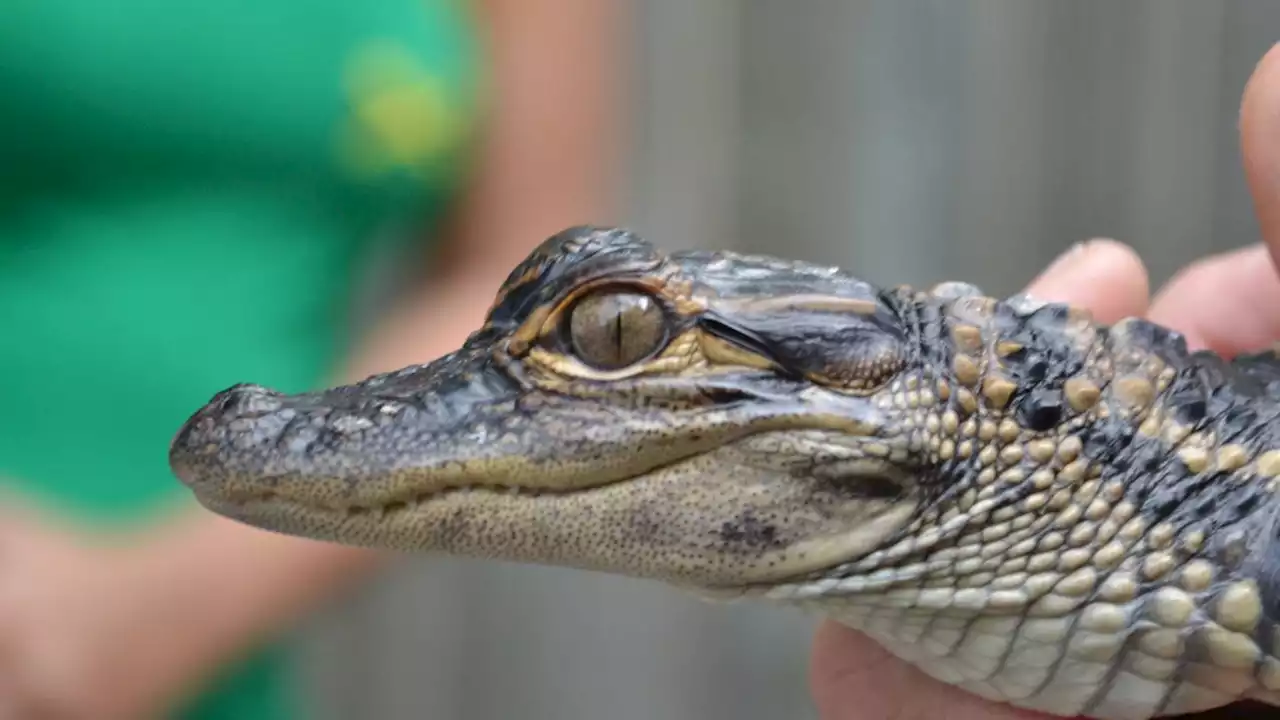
pixel 1066 517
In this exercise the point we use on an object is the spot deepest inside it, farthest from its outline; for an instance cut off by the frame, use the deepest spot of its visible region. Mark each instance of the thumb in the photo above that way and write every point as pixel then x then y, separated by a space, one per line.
pixel 1231 302
pixel 1260 146
pixel 1102 275
pixel 854 678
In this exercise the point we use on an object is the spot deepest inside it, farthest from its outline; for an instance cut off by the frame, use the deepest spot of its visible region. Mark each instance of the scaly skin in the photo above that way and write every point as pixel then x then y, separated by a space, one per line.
pixel 1043 511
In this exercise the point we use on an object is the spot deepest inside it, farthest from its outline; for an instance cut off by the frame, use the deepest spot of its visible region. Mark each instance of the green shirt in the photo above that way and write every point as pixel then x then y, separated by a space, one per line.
pixel 187 194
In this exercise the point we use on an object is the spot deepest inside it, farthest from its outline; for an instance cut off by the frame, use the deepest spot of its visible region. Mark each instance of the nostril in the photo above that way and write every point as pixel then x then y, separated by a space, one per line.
pixel 228 434
pixel 241 403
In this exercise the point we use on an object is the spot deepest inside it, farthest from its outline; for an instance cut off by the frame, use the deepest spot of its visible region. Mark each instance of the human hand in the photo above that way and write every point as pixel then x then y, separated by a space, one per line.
pixel 130 625
pixel 80 616
pixel 854 678
pixel 1229 303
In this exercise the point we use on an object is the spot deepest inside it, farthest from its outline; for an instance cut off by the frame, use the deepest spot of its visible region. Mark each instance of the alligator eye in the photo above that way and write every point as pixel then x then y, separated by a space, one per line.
pixel 616 329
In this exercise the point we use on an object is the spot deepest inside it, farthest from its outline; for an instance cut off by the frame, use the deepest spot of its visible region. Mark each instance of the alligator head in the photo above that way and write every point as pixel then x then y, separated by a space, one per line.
pixel 708 419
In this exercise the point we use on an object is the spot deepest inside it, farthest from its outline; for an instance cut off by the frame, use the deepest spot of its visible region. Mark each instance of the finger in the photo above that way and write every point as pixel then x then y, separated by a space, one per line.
pixel 1229 303
pixel 15 703
pixel 1103 275
pixel 854 678
pixel 1260 146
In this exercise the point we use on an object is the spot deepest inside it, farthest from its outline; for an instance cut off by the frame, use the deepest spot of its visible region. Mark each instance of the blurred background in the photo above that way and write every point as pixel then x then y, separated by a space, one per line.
pixel 909 141
pixel 174 218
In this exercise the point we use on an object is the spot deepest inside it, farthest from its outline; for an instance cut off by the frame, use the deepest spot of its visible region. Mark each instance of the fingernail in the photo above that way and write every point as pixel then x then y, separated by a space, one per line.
pixel 1069 258
pixel 1062 266
pixel 1077 252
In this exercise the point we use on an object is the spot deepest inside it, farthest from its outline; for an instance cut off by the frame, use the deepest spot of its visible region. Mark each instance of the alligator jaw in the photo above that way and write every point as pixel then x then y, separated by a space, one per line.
pixel 455 457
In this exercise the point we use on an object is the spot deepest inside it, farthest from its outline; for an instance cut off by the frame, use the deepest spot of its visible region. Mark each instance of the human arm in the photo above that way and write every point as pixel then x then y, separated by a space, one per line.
pixel 554 124
pixel 125 626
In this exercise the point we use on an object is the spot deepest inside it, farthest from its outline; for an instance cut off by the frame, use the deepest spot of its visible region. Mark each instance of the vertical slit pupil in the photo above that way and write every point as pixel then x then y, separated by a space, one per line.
pixel 617 333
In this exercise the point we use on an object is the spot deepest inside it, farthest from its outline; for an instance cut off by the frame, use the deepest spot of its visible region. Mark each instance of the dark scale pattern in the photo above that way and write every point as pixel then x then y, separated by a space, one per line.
pixel 1261 371
pixel 566 259
pixel 1263 563
pixel 1045 358
pixel 1236 403
pixel 1207 395
pixel 1043 353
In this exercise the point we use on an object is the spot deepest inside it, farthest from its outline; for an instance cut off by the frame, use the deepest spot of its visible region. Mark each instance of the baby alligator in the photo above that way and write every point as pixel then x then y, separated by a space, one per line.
pixel 1036 508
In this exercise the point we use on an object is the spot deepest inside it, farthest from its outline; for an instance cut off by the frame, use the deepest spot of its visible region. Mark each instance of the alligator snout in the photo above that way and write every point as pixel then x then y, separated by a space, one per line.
pixel 232 424
pixel 246 400
pixel 349 444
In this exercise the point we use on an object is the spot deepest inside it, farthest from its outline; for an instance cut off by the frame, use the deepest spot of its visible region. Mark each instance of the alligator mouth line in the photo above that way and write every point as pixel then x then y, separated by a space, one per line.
pixel 390 508
pixel 246 500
